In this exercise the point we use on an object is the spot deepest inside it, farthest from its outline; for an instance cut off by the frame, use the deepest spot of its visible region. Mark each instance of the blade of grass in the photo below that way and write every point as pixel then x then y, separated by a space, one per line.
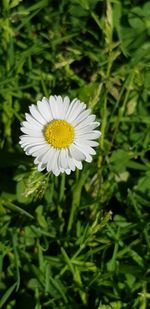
pixel 7 294
pixel 15 208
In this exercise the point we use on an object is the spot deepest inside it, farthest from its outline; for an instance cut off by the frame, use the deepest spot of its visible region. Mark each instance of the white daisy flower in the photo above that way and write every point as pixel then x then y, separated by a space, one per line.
pixel 60 134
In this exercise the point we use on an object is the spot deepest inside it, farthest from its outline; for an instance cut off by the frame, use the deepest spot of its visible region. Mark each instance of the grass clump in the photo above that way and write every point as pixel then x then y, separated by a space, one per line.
pixel 80 240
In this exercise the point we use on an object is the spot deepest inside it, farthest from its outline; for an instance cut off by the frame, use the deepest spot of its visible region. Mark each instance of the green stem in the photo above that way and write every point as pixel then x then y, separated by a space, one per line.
pixel 122 109
pixel 62 187
pixel 76 199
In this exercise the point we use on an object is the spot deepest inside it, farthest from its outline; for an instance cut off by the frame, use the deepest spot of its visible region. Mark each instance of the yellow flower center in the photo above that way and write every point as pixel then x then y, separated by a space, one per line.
pixel 59 133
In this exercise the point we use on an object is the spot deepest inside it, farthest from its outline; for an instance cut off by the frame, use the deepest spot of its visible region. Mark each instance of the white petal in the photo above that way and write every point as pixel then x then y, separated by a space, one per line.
pixel 89 136
pixel 76 107
pixel 86 149
pixel 32 121
pixel 78 164
pixel 36 114
pixel 61 113
pixel 76 153
pixel 41 167
pixel 54 106
pixel 44 109
pixel 56 172
pixel 83 131
pixel 32 149
pixel 59 99
pixel 70 107
pixel 29 145
pixel 87 121
pixel 71 163
pixel 81 140
pixel 36 161
pixel 53 160
pixel 88 158
pixel 37 150
pixel 63 159
pixel 66 103
pixel 30 126
pixel 55 167
pixel 87 128
pixel 30 139
pixel 68 171
pixel 81 117
pixel 47 156
pixel 31 132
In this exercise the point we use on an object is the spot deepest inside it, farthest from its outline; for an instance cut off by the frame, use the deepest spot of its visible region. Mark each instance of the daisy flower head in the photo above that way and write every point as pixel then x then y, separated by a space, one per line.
pixel 59 134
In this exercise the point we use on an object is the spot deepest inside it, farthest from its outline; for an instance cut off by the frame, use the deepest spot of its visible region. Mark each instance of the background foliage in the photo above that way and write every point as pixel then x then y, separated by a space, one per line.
pixel 81 240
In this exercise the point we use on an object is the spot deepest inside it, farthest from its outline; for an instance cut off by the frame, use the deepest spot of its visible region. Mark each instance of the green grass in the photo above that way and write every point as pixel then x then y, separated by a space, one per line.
pixel 78 241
